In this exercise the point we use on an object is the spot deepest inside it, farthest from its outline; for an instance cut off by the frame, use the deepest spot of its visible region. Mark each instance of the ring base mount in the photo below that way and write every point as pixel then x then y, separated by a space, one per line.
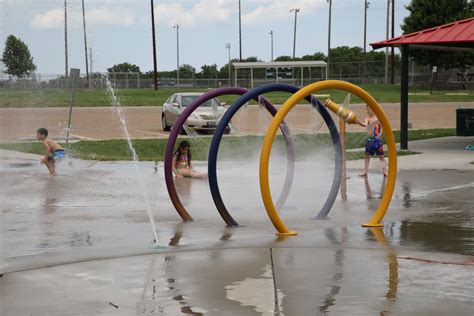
pixel 290 233
pixel 372 225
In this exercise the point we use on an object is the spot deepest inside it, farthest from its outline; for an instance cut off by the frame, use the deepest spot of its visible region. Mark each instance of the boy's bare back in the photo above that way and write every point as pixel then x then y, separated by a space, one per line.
pixel 51 144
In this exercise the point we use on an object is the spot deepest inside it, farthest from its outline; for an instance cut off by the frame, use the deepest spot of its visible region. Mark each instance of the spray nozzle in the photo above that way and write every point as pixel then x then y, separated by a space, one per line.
pixel 344 113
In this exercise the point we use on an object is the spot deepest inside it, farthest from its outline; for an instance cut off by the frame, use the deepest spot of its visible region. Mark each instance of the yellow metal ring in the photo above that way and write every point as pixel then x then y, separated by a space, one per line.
pixel 278 119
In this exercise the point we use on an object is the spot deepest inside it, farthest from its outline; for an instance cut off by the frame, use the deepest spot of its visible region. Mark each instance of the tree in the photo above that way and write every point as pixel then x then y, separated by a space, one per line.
pixel 186 71
pixel 124 67
pixel 426 14
pixel 17 58
pixel 208 71
pixel 315 56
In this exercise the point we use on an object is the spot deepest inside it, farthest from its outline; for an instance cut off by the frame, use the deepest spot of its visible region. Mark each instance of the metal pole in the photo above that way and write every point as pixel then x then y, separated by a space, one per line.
pixel 235 76
pixel 65 41
pixel 404 98
pixel 271 43
pixel 155 71
pixel 386 37
pixel 342 136
pixel 85 43
pixel 90 60
pixel 240 32
pixel 251 78
pixel 230 74
pixel 177 53
pixel 329 39
pixel 392 55
pixel 366 6
pixel 74 75
pixel 302 74
pixel 296 10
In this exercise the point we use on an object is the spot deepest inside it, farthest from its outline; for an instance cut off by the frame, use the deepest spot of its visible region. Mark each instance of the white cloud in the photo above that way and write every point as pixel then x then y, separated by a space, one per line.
pixel 51 19
pixel 205 11
pixel 99 16
pixel 274 10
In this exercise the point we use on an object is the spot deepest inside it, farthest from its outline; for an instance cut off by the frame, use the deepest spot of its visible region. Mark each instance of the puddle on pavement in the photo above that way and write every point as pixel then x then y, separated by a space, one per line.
pixel 257 293
pixel 164 293
pixel 22 165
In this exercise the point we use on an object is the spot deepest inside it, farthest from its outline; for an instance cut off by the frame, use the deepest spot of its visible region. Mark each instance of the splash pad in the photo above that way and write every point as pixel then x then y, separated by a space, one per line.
pixel 278 123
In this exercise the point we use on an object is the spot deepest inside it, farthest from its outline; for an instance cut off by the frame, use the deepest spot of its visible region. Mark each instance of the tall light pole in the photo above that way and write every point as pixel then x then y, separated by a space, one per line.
pixel 328 66
pixel 85 43
pixel 176 26
pixel 155 71
pixel 240 32
pixel 228 50
pixel 392 55
pixel 386 37
pixel 271 43
pixel 65 40
pixel 296 10
pixel 366 6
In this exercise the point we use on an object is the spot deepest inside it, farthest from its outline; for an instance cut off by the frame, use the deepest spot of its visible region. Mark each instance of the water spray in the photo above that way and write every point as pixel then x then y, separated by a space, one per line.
pixel 114 100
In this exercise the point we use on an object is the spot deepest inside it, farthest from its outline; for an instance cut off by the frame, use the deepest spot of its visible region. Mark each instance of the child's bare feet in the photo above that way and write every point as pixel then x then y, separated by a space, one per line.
pixel 363 174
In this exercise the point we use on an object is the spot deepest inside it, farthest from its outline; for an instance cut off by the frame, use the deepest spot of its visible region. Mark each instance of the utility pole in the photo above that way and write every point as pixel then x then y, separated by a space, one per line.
pixel 296 10
pixel 328 66
pixel 366 6
pixel 392 55
pixel 90 60
pixel 176 26
pixel 66 71
pixel 228 50
pixel 155 71
pixel 386 37
pixel 85 43
pixel 271 43
pixel 240 32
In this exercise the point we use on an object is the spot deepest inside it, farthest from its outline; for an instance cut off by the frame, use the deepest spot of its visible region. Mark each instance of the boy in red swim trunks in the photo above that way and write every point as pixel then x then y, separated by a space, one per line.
pixel 373 144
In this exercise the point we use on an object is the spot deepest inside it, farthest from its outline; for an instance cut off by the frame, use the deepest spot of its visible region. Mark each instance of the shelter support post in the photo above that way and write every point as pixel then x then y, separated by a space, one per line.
pixel 236 84
pixel 251 78
pixel 404 98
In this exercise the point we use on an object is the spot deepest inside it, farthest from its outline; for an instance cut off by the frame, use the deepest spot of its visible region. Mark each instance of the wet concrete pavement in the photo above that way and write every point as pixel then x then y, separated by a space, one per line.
pixel 79 244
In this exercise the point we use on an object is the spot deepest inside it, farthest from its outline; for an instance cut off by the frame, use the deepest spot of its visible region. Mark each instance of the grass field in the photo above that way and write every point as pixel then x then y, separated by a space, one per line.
pixel 148 97
pixel 233 147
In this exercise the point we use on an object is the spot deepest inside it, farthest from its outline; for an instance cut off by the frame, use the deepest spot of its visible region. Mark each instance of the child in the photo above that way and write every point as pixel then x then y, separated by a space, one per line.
pixel 53 150
pixel 182 166
pixel 373 144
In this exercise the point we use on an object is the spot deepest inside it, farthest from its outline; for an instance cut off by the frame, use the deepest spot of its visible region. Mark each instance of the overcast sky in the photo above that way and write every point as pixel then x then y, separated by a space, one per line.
pixel 119 30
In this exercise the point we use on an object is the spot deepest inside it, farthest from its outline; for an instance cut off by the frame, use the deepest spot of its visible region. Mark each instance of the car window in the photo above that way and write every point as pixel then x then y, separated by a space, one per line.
pixel 187 99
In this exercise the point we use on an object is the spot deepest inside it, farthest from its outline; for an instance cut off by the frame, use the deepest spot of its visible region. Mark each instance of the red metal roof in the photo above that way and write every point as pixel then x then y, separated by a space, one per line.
pixel 459 33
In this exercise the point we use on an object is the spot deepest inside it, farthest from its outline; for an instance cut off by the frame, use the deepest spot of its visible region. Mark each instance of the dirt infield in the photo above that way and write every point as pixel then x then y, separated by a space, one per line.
pixel 145 122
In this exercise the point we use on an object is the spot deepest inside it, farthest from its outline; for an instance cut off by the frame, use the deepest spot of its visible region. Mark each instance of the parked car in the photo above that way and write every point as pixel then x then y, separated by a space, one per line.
pixel 204 118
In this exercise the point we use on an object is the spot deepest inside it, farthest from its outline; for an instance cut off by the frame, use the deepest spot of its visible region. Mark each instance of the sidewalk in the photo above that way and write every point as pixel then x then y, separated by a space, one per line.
pixel 436 153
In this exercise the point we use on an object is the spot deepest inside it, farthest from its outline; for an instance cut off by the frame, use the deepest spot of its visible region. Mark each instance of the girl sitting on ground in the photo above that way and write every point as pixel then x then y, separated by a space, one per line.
pixel 373 144
pixel 182 166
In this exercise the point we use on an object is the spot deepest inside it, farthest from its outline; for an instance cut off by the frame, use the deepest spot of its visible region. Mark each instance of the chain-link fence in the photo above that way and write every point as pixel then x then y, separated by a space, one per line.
pixel 355 72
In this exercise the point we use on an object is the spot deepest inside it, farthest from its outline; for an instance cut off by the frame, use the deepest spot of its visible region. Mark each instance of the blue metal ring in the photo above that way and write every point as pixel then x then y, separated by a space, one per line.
pixel 225 120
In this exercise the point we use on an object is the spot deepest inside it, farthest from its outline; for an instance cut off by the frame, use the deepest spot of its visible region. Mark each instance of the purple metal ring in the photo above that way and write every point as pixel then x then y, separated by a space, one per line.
pixel 169 180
